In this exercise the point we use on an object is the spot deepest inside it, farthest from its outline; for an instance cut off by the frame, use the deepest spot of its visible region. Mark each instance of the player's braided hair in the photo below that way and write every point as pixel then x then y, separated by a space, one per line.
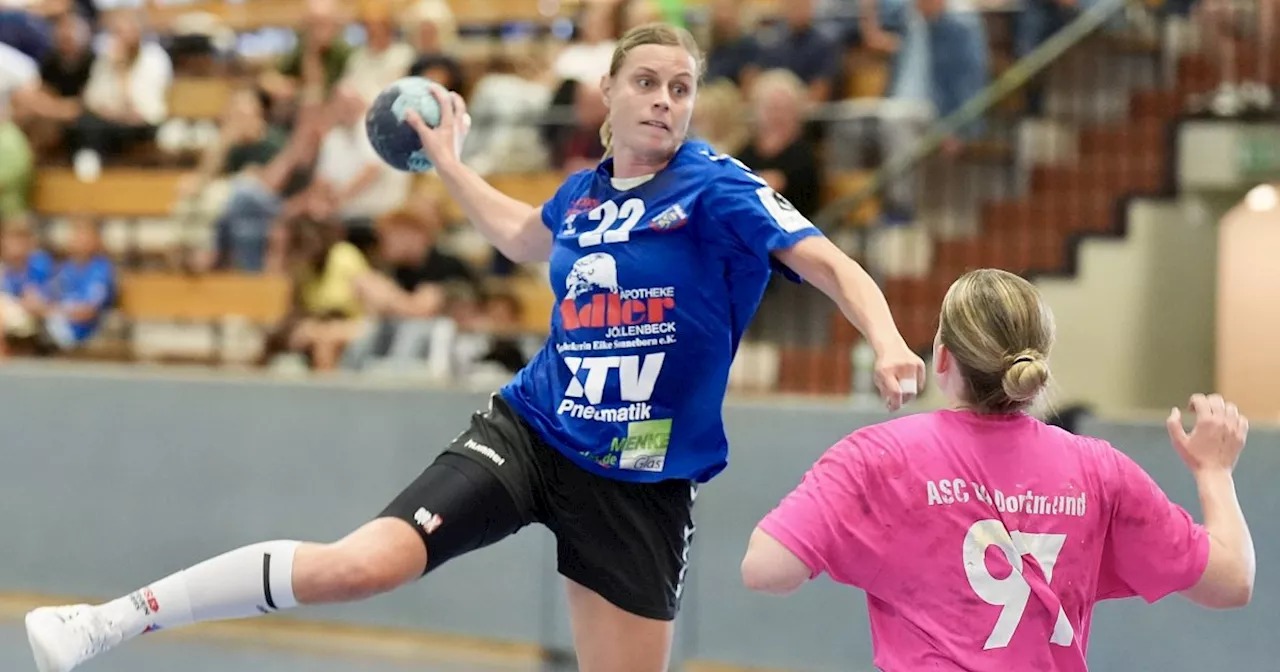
pixel 661 34
pixel 999 331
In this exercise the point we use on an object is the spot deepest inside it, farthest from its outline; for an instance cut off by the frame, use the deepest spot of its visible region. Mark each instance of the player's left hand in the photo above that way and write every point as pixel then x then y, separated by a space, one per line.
pixel 900 375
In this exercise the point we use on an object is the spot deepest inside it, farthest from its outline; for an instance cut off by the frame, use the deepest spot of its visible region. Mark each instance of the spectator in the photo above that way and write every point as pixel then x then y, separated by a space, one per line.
pixel 324 269
pixel 82 289
pixel 383 59
pixel 413 295
pixel 779 150
pixel 53 101
pixel 125 98
pixel 416 272
pixel 316 63
pixel 799 47
pixel 1225 26
pixel 17 168
pixel 24 285
pixel 578 147
pixel 504 106
pixel 878 25
pixel 586 60
pixel 25 30
pixel 434 34
pixel 718 118
pixel 959 67
pixel 258 197
pixel 732 51
pixel 17 72
pixel 245 145
pixel 639 12
pixel 1035 22
pixel 488 348
pixel 365 186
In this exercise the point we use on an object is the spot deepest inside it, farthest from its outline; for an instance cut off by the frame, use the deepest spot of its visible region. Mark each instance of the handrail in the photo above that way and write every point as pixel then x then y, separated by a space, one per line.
pixel 1015 77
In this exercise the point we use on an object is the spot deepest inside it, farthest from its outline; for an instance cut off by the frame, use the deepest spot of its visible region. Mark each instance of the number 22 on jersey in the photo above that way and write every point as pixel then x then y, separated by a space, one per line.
pixel 609 213
pixel 1012 592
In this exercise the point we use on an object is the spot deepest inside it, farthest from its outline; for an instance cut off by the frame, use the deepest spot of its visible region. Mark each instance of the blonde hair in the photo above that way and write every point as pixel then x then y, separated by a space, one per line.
pixel 719 109
pixel 661 34
pixel 999 331
pixel 779 78
pixel 437 12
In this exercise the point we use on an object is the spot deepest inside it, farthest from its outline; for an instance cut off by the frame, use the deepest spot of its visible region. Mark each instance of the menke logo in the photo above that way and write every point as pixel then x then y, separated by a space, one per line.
pixel 644 448
pixel 596 275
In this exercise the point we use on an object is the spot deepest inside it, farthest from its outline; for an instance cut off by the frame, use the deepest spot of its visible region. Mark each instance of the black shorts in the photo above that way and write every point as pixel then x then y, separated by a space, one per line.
pixel 628 542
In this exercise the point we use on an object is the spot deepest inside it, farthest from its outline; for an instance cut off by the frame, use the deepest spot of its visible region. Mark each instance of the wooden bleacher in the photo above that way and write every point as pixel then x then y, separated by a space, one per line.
pixel 120 192
pixel 257 14
pixel 193 98
pixel 263 300
pixel 130 192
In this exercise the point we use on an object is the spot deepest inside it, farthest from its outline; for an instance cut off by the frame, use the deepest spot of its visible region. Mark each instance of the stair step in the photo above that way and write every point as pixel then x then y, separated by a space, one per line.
pixel 1014 250
pixel 1084 213
pixel 1150 105
pixel 1115 177
pixel 824 370
pixel 1145 134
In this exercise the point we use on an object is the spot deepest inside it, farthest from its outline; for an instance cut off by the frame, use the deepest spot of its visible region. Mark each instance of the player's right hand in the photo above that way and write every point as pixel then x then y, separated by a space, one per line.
pixel 1216 439
pixel 444 142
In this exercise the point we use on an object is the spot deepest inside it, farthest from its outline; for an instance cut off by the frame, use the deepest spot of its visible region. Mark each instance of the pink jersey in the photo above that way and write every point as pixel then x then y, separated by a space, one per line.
pixel 983 542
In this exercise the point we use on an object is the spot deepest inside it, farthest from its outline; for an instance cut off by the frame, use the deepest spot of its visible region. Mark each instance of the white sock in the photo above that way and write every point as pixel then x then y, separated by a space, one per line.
pixel 248 581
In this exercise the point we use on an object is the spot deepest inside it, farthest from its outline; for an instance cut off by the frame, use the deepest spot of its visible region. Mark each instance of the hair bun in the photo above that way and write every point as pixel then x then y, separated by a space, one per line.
pixel 1025 376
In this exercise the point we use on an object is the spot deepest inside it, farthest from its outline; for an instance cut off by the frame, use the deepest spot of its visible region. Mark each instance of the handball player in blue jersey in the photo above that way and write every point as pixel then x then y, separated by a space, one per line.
pixel 658 259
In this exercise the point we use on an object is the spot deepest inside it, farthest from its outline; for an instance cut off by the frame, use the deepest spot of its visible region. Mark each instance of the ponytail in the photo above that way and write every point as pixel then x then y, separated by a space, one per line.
pixel 606 138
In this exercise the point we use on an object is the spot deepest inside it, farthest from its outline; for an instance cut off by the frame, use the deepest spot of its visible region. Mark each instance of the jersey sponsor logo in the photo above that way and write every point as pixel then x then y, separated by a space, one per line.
pixel 594 272
pixel 581 205
pixel 429 522
pixel 493 456
pixel 584 204
pixel 779 208
pixel 637 375
pixel 784 214
pixel 145 601
pixel 644 448
pixel 623 313
pixel 670 219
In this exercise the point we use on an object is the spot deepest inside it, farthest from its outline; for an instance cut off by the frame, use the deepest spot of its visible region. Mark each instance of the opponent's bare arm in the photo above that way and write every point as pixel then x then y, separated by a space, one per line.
pixel 1211 451
pixel 512 226
pixel 769 567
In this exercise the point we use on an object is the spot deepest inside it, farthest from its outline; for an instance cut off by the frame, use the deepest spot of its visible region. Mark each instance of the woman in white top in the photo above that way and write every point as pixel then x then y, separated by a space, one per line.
pixel 126 97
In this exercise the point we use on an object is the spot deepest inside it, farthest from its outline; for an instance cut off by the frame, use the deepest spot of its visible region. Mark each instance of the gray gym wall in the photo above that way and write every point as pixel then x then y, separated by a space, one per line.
pixel 111 479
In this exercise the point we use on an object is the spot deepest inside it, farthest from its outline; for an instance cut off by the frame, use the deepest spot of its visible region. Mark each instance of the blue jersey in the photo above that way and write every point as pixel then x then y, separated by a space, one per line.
pixel 654 288
pixel 91 283
pixel 36 275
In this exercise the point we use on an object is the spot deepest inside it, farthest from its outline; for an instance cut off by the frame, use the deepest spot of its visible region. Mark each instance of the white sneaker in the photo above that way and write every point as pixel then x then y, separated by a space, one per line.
pixel 64 637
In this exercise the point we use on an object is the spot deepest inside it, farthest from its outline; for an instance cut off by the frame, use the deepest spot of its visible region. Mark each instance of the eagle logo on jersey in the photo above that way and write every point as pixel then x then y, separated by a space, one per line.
pixel 596 271
pixel 670 219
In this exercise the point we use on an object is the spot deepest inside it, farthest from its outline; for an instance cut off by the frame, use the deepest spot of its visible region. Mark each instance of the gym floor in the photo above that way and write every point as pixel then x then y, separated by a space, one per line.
pixel 212 650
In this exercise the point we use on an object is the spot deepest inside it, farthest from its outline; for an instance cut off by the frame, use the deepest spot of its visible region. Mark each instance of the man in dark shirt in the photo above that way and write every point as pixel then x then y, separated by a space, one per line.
pixel 47 107
pixel 779 151
pixel 64 70
pixel 798 46
pixel 732 50
pixel 415 273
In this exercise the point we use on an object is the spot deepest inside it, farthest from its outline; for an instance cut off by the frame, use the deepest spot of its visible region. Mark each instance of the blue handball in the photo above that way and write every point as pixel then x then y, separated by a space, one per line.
pixel 392 137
